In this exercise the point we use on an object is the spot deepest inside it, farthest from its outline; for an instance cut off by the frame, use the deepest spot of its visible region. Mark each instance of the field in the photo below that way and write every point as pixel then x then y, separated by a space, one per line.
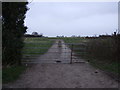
pixel 101 53
pixel 35 47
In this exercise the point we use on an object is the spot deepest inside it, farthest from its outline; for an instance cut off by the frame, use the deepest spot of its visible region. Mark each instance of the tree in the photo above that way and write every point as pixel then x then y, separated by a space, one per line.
pixel 13 15
pixel 35 33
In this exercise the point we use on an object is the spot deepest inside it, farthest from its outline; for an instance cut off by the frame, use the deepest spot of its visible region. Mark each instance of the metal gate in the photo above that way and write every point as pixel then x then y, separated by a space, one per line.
pixel 59 52
pixel 78 50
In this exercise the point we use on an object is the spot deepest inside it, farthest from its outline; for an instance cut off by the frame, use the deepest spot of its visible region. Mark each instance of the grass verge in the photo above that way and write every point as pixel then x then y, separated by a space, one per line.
pixel 10 74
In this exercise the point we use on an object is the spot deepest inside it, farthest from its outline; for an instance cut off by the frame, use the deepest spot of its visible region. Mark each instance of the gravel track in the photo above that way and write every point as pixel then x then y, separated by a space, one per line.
pixel 46 73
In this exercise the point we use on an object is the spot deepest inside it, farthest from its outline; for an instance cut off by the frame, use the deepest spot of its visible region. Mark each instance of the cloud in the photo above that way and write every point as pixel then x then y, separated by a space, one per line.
pixel 83 18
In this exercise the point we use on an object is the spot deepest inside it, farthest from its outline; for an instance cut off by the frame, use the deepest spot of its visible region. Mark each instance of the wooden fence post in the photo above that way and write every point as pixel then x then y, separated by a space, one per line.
pixel 71 53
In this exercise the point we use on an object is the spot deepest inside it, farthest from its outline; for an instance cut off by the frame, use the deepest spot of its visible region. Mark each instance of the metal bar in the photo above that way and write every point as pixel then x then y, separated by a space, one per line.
pixel 71 54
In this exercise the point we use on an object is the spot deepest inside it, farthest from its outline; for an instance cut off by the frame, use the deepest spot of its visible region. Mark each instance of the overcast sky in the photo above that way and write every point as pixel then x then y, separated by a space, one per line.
pixel 72 18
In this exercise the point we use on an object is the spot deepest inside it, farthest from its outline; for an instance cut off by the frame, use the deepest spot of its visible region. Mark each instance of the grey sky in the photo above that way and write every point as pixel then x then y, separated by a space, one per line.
pixel 72 18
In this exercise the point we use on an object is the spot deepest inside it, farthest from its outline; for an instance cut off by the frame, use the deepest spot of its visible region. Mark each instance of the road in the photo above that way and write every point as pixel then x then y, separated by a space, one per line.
pixel 53 70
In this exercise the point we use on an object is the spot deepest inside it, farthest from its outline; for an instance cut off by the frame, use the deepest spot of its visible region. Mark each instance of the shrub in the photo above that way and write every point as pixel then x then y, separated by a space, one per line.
pixel 104 49
pixel 13 15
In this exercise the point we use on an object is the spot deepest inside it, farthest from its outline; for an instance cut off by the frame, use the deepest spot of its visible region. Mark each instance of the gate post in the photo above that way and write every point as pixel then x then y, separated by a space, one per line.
pixel 71 53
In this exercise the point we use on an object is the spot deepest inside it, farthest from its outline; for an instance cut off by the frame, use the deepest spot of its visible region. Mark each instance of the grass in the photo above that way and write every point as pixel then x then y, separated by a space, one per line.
pixel 35 47
pixel 10 74
pixel 74 40
pixel 100 52
pixel 105 65
pixel 109 67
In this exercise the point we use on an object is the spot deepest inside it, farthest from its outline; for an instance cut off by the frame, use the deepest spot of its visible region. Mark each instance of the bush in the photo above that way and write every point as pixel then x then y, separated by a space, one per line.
pixel 104 49
pixel 13 15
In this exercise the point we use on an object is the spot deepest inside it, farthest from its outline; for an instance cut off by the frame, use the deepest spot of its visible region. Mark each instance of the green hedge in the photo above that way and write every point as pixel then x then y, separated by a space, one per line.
pixel 13 15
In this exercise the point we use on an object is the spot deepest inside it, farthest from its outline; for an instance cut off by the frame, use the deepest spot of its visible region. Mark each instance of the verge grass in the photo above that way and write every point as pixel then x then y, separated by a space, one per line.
pixel 10 74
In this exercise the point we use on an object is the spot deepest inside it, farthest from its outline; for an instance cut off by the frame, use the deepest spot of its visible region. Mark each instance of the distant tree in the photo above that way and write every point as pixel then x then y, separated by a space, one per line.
pixel 35 33
pixel 13 15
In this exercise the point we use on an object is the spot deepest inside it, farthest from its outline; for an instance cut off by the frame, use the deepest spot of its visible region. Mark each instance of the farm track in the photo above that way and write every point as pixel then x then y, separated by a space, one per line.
pixel 47 73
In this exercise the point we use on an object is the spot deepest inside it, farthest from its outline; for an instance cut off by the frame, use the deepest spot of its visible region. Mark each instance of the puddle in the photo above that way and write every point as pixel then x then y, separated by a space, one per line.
pixel 58 61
